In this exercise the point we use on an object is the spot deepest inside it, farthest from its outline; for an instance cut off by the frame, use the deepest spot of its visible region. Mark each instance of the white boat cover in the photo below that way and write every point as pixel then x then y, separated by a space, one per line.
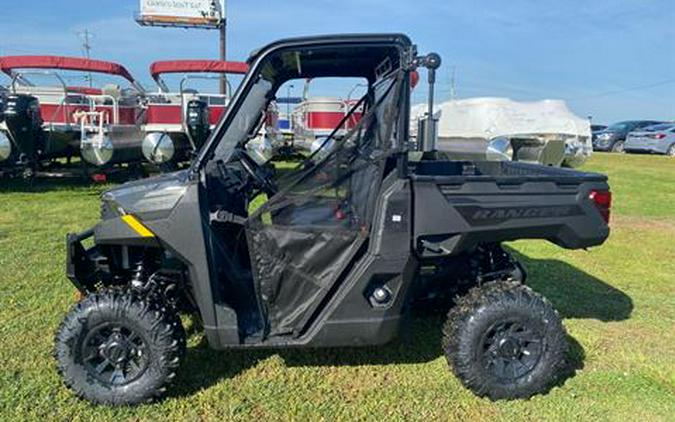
pixel 491 117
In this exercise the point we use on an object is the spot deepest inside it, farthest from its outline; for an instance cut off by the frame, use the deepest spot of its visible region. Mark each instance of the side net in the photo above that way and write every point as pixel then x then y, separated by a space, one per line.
pixel 302 239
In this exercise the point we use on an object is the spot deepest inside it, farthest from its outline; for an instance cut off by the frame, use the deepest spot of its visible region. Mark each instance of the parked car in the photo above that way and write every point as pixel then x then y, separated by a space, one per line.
pixel 658 139
pixel 613 138
pixel 595 130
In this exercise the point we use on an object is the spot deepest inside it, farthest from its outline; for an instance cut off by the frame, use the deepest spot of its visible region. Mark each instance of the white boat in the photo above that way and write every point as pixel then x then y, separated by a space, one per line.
pixel 46 122
pixel 545 132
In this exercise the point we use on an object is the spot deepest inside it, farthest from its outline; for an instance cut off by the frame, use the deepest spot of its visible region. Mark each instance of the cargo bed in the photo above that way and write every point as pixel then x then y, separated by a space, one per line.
pixel 459 205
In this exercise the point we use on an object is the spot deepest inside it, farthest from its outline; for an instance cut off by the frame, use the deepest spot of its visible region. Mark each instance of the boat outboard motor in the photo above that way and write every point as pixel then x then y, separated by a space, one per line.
pixel 197 122
pixel 24 123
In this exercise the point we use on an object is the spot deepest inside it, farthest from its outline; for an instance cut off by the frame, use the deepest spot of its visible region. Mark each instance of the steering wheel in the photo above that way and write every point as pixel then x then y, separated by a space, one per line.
pixel 257 173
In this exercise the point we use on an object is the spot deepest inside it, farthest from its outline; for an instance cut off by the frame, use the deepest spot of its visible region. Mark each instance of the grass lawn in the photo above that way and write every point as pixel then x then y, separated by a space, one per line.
pixel 618 301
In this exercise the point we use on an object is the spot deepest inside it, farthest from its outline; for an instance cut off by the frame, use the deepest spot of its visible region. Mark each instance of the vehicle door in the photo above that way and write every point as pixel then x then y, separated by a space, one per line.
pixel 302 240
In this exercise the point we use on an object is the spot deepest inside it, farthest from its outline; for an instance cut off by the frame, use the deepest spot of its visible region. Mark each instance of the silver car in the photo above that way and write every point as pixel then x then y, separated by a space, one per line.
pixel 657 139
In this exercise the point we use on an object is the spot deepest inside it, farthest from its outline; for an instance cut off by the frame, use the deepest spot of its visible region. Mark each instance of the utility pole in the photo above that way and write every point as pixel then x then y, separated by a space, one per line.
pixel 86 49
pixel 223 54
pixel 453 92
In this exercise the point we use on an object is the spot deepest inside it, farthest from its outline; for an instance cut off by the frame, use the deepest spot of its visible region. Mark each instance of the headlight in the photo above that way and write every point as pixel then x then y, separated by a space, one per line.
pixel 5 146
pixel 499 149
pixel 108 210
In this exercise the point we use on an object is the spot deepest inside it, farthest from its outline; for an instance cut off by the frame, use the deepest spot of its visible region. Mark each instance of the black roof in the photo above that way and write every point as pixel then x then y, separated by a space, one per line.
pixel 391 38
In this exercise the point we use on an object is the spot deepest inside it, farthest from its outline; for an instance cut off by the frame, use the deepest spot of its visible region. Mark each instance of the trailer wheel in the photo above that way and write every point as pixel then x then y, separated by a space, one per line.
pixel 119 349
pixel 504 341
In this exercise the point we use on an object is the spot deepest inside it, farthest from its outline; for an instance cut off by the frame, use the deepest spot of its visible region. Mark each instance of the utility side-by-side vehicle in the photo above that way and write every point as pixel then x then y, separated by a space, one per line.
pixel 330 254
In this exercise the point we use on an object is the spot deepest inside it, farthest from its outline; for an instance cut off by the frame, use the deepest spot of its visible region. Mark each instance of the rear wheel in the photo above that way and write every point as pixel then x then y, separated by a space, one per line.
pixel 671 151
pixel 504 341
pixel 116 348
pixel 619 147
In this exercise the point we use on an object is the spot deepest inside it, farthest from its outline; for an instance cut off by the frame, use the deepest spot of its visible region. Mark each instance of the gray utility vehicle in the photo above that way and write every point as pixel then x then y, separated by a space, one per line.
pixel 338 250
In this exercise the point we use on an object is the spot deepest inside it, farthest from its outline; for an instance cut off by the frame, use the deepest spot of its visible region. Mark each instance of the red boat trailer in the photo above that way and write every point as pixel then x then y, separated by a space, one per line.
pixel 43 123
pixel 178 123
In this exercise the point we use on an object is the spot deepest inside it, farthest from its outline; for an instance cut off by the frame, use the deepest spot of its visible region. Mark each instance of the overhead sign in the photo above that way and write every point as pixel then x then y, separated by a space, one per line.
pixel 188 13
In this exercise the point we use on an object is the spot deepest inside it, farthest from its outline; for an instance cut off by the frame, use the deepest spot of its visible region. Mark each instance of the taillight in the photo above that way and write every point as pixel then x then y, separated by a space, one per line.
pixel 660 135
pixel 603 202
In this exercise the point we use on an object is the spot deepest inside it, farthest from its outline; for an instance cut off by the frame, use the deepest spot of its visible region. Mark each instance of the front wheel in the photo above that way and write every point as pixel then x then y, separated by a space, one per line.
pixel 116 348
pixel 504 341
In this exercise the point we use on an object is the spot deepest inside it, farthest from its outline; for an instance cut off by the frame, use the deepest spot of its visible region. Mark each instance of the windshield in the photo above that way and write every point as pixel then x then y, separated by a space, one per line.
pixel 621 126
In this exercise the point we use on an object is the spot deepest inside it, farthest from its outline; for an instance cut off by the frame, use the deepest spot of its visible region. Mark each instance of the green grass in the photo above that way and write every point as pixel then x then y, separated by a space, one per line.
pixel 618 301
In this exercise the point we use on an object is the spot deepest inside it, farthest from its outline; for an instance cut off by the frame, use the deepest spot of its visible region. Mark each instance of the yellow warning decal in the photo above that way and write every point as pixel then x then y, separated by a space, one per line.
pixel 137 226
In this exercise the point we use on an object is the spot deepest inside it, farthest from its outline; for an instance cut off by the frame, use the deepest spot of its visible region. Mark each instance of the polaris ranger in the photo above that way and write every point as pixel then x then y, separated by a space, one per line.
pixel 336 252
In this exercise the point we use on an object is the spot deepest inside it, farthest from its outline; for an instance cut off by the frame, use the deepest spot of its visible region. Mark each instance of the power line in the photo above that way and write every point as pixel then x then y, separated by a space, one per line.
pixel 622 90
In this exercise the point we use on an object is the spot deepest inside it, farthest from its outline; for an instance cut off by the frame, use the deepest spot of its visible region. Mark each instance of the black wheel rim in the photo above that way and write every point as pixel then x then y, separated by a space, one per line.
pixel 114 354
pixel 512 349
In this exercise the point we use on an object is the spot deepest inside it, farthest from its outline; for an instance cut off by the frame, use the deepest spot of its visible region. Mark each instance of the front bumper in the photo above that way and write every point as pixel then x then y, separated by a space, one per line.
pixel 602 146
pixel 604 142
pixel 82 264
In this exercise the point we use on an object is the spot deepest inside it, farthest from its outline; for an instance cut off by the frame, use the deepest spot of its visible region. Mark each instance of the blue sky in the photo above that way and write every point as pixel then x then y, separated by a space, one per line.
pixel 613 60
